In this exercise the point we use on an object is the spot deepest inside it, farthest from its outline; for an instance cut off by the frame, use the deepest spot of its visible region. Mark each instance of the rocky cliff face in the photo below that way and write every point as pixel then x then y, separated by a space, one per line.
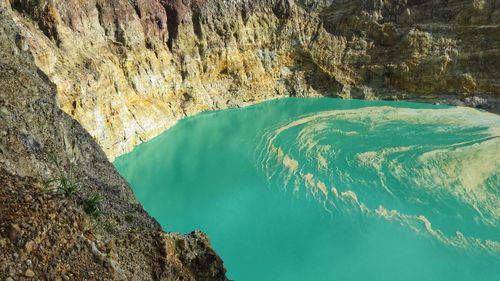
pixel 65 213
pixel 126 70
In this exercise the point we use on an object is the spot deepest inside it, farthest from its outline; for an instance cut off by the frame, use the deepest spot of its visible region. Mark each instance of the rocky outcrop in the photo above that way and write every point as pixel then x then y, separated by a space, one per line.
pixel 65 213
pixel 126 70
pixel 420 49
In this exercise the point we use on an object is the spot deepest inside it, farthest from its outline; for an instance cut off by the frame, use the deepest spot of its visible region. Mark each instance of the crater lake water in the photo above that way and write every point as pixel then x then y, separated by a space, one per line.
pixel 328 189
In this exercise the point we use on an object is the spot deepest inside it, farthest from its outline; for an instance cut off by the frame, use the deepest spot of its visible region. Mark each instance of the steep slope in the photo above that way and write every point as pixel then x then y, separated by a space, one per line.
pixel 48 231
pixel 82 81
pixel 129 69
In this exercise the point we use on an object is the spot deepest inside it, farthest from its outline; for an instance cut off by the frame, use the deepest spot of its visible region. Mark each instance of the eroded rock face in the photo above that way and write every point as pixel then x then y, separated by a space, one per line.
pixel 126 70
pixel 129 69
pixel 191 256
pixel 47 233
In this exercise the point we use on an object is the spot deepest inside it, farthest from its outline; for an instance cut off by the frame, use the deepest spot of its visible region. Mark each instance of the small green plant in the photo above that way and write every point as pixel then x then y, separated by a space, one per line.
pixel 91 206
pixel 108 226
pixel 129 218
pixel 62 183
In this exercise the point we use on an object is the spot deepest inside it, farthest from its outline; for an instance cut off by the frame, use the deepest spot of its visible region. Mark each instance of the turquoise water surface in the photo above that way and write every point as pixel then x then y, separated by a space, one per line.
pixel 328 189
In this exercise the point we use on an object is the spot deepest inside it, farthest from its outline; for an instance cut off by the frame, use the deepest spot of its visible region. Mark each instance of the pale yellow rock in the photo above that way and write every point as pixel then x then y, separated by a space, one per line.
pixel 126 77
pixel 29 273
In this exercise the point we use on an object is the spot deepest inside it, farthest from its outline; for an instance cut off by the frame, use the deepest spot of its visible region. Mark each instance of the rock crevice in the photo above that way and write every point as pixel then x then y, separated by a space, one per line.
pixel 52 227
pixel 122 68
pixel 83 81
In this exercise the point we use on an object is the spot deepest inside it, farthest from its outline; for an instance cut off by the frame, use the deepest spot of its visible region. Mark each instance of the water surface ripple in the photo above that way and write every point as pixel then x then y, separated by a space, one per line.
pixel 324 189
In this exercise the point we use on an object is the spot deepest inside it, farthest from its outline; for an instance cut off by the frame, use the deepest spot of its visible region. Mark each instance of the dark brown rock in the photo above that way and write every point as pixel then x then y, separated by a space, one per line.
pixel 43 143
pixel 121 71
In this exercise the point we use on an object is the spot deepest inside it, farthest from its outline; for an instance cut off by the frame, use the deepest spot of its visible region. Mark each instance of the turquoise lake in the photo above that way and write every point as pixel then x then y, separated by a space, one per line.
pixel 328 189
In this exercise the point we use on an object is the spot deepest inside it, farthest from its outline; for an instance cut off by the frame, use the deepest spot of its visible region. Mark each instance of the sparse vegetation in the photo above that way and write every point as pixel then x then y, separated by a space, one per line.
pixel 63 184
pixel 91 206
pixel 108 226
pixel 129 218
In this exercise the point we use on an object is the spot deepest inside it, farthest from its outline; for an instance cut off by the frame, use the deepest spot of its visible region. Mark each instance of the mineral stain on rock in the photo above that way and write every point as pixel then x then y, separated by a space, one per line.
pixel 85 81
pixel 45 232
pixel 122 68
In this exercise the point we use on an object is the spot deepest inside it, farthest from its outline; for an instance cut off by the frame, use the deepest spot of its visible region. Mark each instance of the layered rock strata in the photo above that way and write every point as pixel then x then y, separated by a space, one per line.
pixel 82 81
pixel 126 70
pixel 58 230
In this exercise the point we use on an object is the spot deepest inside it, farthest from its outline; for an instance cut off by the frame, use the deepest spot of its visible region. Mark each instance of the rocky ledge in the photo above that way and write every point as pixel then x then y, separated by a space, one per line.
pixel 129 69
pixel 65 213
pixel 82 81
